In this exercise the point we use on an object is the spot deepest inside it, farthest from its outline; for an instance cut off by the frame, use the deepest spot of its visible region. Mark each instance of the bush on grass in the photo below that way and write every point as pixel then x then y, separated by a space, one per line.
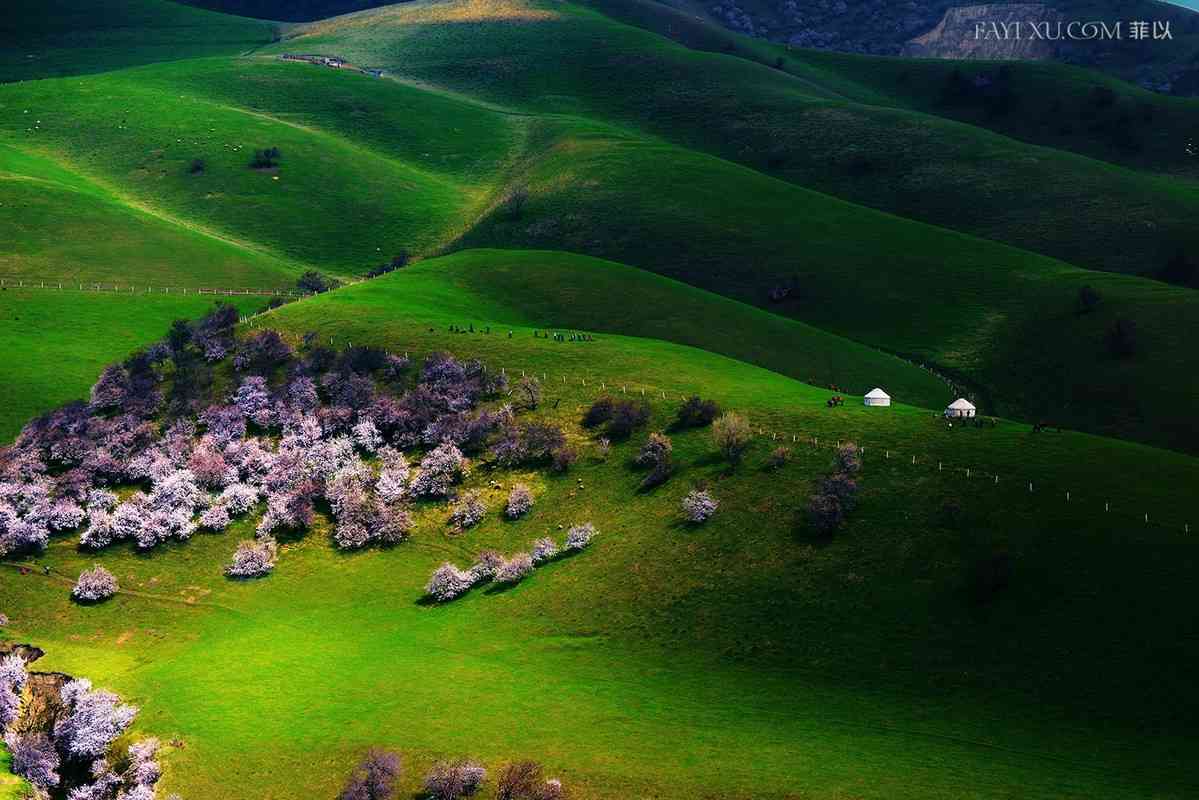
pixel 94 585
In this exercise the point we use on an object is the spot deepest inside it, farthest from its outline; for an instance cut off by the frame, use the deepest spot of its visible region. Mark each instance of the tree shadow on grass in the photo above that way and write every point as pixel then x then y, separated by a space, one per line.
pixel 711 460
pixel 494 588
pixel 686 525
pixel 100 601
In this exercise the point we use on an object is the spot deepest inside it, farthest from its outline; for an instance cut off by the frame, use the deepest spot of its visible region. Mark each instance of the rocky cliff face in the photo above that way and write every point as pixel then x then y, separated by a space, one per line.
pixel 949 29
pixel 993 31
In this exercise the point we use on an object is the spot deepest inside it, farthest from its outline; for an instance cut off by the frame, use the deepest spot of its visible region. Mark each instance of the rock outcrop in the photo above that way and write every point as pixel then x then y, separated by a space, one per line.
pixel 993 31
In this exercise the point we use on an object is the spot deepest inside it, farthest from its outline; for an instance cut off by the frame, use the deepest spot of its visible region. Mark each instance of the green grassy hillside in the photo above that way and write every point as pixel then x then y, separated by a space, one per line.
pixel 61 227
pixel 57 342
pixel 1001 318
pixel 877 131
pixel 1041 102
pixel 372 167
pixel 797 127
pixel 498 288
pixel 330 201
pixel 736 660
pixel 562 290
pixel 46 38
pixel 658 193
pixel 1044 102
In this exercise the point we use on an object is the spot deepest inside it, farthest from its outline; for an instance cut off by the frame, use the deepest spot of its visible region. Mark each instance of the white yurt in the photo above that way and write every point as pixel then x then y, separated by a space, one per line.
pixel 960 408
pixel 877 397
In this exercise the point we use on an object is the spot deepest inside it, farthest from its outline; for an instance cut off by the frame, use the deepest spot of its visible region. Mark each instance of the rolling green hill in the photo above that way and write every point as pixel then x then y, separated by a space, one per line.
pixel 45 38
pixel 1041 102
pixel 720 227
pixel 57 342
pixel 877 131
pixel 330 201
pixel 372 167
pixel 1002 319
pixel 796 127
pixel 735 660
pixel 474 287
pixel 63 227
pixel 553 289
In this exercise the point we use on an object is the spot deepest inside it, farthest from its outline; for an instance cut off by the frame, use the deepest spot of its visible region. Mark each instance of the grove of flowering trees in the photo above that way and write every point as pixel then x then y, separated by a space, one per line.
pixel 525 780
pixel 452 780
pixel 514 569
pixel 439 470
pixel 93 719
pixel 657 454
pixel 579 536
pixel 13 677
pixel 253 559
pixel 375 778
pixel 68 753
pixel 544 549
pixel 448 581
pixel 142 463
pixel 520 501
pixel 34 758
pixel 467 511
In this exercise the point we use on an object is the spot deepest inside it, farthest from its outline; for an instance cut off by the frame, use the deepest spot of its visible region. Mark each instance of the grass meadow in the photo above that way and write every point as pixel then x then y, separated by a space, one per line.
pixel 718 224
pixel 738 659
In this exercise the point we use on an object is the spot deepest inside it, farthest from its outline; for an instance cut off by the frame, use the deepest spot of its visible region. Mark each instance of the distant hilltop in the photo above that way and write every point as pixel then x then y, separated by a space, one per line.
pixel 992 31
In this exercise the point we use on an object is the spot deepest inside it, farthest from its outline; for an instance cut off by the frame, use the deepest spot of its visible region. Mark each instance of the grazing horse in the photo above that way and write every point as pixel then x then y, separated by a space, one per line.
pixel 835 400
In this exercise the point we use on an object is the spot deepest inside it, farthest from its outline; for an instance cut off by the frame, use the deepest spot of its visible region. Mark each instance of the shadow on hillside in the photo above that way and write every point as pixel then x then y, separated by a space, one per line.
pixel 494 588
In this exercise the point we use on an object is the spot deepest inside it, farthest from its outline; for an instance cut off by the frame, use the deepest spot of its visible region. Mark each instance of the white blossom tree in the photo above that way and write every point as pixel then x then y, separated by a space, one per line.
pixel 94 585
pixel 579 536
pixel 699 506
pixel 93 720
pixel 520 501
pixel 447 582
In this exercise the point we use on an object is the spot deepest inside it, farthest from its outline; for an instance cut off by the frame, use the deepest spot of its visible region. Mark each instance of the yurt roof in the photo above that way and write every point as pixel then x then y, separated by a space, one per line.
pixel 878 394
pixel 961 403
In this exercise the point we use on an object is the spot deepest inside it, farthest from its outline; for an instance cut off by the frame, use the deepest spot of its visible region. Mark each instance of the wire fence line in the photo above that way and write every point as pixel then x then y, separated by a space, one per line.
pixel 807 442
pixel 134 289
pixel 1148 517
pixel 1169 519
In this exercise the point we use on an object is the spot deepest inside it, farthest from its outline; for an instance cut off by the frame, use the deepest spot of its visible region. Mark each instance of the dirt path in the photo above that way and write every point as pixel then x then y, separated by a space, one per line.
pixel 38 572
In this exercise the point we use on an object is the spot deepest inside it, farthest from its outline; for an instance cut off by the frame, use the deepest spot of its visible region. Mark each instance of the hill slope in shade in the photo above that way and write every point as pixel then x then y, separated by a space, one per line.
pixel 47 38
pixel 1046 103
pixel 1002 319
pixel 560 290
